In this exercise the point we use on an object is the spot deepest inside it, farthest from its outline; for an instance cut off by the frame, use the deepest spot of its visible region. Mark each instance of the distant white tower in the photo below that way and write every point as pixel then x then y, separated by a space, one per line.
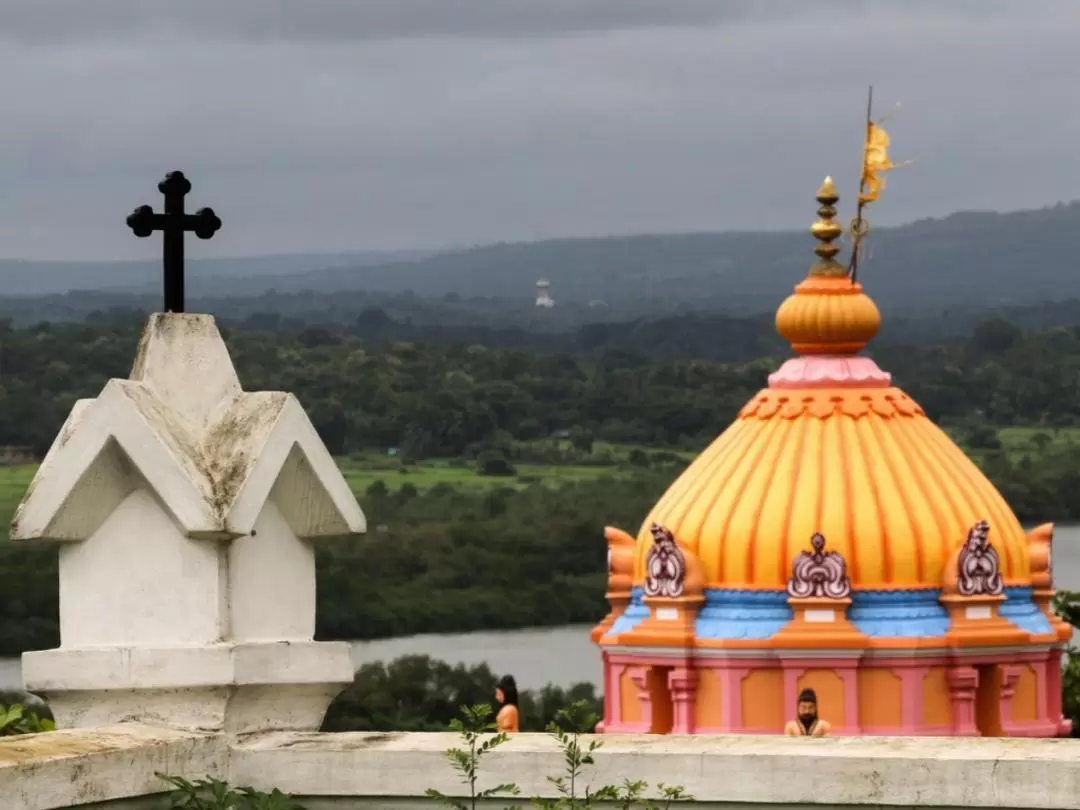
pixel 543 297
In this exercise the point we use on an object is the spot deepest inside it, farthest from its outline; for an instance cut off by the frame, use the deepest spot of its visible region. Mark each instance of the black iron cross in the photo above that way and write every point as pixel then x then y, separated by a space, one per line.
pixel 173 223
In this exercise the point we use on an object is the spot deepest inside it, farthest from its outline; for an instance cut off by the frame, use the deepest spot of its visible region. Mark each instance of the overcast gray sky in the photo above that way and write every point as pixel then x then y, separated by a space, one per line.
pixel 332 125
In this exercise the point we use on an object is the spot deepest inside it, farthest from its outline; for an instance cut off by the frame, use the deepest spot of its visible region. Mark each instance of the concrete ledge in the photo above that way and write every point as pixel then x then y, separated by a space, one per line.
pixel 882 771
pixel 63 769
pixel 98 669
pixel 109 765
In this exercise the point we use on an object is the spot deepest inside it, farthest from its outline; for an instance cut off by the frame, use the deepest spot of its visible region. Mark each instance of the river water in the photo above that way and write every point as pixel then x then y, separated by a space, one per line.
pixel 561 655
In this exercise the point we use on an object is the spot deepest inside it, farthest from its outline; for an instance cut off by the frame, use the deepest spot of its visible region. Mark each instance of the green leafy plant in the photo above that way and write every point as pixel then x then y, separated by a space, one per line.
pixel 14 719
pixel 477 731
pixel 1067 606
pixel 213 794
pixel 567 729
pixel 631 794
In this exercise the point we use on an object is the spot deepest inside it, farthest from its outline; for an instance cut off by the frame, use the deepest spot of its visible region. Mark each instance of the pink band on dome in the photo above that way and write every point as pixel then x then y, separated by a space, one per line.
pixel 829 371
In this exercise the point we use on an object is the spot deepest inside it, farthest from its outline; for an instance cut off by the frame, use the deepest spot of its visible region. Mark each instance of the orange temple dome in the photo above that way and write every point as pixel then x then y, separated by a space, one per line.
pixel 833 538
pixel 832 447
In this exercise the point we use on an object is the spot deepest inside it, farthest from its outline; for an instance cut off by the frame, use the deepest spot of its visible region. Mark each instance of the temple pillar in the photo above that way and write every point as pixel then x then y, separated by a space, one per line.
pixel 1044 699
pixel 682 683
pixel 640 678
pixel 609 693
pixel 1009 677
pixel 912 680
pixel 614 719
pixel 1053 693
pixel 849 676
pixel 963 683
pixel 731 681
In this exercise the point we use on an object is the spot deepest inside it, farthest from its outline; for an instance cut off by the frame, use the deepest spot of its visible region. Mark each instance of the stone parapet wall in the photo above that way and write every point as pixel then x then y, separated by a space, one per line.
pixel 85 767
pixel 114 767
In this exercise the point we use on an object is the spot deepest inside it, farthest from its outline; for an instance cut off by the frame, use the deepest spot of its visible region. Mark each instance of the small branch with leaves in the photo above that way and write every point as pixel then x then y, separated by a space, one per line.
pixel 15 719
pixel 474 728
pixel 213 794
pixel 570 726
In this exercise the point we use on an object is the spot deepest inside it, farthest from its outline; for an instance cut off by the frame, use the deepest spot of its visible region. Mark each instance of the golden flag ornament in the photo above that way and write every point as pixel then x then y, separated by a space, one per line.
pixel 876 162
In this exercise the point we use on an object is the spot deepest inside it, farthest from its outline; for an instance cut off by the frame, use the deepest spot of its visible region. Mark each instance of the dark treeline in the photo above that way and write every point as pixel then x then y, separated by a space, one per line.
pixel 448 560
pixel 443 399
pixel 721 333
pixel 417 693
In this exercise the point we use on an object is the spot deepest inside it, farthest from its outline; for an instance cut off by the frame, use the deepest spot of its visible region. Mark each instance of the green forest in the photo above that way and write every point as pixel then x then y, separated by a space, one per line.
pixel 448 399
pixel 487 474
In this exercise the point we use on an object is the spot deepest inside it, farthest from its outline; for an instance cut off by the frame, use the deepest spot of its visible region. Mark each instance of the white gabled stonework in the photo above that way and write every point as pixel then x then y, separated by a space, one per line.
pixel 185 509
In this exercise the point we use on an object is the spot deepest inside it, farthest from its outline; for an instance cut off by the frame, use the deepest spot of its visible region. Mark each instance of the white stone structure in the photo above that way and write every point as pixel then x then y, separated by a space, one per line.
pixel 543 294
pixel 185 510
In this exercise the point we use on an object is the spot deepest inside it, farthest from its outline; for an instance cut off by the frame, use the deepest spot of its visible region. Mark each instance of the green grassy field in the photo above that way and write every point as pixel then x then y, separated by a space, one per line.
pixel 440 471
pixel 363 470
pixel 1022 439
pixel 1026 441
pixel 606 460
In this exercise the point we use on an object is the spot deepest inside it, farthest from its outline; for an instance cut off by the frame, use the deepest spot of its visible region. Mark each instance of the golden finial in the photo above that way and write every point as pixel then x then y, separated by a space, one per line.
pixel 826 230
pixel 829 314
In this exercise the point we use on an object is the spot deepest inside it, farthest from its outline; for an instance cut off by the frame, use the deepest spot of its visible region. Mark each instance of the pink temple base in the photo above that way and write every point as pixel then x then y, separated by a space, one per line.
pixel 962 677
pixel 830 371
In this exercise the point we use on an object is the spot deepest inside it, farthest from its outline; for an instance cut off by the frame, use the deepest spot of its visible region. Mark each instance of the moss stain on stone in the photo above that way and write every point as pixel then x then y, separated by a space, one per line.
pixel 59 744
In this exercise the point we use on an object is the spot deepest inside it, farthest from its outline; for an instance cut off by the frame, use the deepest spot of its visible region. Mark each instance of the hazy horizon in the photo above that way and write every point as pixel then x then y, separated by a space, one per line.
pixel 443 124
pixel 432 250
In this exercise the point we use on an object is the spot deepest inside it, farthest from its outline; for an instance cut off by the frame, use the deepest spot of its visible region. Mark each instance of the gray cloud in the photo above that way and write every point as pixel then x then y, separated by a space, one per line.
pixel 395 123
pixel 366 20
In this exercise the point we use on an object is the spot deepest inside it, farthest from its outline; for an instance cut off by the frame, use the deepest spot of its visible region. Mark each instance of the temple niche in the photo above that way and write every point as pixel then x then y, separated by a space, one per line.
pixel 832 538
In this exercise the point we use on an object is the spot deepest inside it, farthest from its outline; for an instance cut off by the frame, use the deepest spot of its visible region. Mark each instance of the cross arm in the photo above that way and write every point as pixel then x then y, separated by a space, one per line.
pixel 143 221
pixel 204 223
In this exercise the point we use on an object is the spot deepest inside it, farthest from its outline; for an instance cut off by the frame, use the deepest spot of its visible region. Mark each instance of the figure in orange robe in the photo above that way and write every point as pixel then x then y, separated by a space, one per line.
pixel 807 724
pixel 506 694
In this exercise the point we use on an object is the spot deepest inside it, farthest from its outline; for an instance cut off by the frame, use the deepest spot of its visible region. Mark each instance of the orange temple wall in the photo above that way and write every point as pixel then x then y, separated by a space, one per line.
pixel 914 696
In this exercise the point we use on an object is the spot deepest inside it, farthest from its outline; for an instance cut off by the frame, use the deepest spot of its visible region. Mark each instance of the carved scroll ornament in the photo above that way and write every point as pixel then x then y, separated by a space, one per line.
pixel 978 571
pixel 819 574
pixel 665 572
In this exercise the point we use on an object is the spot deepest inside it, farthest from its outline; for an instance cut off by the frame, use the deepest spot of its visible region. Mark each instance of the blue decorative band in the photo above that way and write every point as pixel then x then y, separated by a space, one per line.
pixel 734 614
pixel 899 614
pixel 636 612
pixel 729 614
pixel 1020 609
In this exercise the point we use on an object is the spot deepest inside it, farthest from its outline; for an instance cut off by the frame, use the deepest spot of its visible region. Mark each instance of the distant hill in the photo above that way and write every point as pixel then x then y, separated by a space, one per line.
pixel 985 259
pixel 980 260
pixel 33 278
